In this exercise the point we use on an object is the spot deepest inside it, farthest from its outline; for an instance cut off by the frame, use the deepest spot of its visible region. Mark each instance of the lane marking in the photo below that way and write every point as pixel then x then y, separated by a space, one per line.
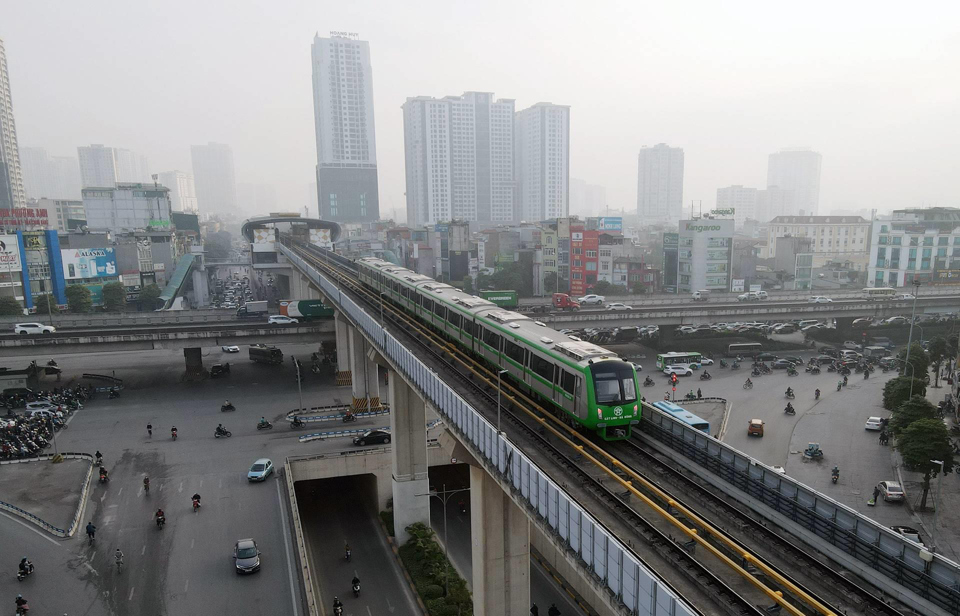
pixel 186 586
pixel 30 527
pixel 201 483
pixel 139 492
pixel 192 541
pixel 103 497
pixel 221 483
pixel 93 557
pixel 286 547
pixel 180 489
pixel 143 550
pixel 120 492
pixel 130 598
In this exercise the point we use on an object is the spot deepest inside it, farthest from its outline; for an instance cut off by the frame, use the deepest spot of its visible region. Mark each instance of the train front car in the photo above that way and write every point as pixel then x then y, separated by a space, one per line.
pixel 613 398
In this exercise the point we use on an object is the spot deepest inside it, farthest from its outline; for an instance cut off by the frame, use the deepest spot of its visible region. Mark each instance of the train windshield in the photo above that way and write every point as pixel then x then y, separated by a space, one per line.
pixel 613 382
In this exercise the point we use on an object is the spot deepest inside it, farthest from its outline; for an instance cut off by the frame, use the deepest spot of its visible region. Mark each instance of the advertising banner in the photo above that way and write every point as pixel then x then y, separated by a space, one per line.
pixel 736 285
pixel 948 276
pixel 80 263
pixel 264 240
pixel 611 223
pixel 23 217
pixel 9 253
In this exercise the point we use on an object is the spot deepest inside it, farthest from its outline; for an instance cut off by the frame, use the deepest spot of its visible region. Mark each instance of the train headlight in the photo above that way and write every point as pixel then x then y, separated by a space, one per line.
pixel 636 407
pixel 599 413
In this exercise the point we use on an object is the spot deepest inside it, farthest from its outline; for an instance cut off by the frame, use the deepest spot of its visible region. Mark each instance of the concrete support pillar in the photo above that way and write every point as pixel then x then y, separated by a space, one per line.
pixel 343 349
pixel 411 486
pixel 500 538
pixel 366 388
pixel 194 361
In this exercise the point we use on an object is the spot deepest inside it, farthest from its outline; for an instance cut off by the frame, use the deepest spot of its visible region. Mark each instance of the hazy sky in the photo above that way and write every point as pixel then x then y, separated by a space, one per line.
pixel 874 87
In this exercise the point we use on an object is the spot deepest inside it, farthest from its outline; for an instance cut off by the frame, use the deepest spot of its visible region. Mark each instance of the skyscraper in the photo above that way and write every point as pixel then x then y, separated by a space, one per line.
pixel 459 158
pixel 542 159
pixel 741 199
pixel 660 184
pixel 214 177
pixel 54 177
pixel 347 187
pixel 183 192
pixel 98 166
pixel 131 167
pixel 797 170
pixel 11 178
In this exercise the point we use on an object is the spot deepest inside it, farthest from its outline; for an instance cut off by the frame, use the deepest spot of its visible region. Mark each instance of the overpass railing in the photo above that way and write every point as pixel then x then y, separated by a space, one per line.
pixel 866 545
pixel 123 319
pixel 637 587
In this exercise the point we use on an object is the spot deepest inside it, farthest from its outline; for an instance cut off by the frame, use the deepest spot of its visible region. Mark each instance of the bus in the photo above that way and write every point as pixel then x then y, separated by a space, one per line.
pixel 694 360
pixel 265 354
pixel 683 415
pixel 744 349
pixel 879 292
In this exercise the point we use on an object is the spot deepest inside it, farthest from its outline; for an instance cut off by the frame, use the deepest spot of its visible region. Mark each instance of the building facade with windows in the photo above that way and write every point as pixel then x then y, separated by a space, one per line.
pixel 740 200
pixel 52 177
pixel 915 244
pixel 542 159
pixel 127 207
pixel 797 170
pixel 584 259
pixel 347 185
pixel 660 184
pixel 459 153
pixel 11 176
pixel 67 214
pixel 704 255
pixel 183 190
pixel 833 238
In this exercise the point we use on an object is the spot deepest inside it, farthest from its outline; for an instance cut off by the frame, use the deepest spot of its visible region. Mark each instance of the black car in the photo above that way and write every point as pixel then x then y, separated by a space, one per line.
pixel 824 359
pixel 829 350
pixel 782 364
pixel 766 357
pixel 796 361
pixel 372 437
pixel 219 370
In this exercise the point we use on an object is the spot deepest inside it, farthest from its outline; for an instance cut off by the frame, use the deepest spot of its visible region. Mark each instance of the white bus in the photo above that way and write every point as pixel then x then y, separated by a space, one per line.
pixel 744 349
pixel 673 358
pixel 879 292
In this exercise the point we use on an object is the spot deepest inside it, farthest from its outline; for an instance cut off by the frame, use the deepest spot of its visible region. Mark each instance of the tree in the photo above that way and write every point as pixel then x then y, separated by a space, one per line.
pixel 916 408
pixel 922 442
pixel 919 361
pixel 9 307
pixel 953 342
pixel 639 288
pixel 218 245
pixel 602 287
pixel 149 295
pixel 483 282
pixel 45 304
pixel 510 276
pixel 78 298
pixel 468 285
pixel 938 353
pixel 896 391
pixel 114 296
pixel 550 282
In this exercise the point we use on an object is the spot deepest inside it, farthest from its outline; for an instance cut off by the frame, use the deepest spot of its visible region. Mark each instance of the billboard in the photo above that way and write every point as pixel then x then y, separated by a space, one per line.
pixel 611 223
pixel 947 276
pixel 21 217
pixel 320 237
pixel 9 253
pixel 80 263
pixel 264 239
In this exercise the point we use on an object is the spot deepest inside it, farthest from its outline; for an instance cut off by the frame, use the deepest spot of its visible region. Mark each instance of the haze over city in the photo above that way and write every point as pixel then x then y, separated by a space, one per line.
pixel 871 87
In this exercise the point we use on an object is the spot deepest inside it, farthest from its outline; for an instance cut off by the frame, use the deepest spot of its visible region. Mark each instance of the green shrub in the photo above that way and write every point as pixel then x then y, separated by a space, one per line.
pixel 433 591
pixel 428 567
pixel 387 517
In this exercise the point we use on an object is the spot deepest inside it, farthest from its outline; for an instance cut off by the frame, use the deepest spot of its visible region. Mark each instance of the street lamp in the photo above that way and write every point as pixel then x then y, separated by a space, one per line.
pixel 500 373
pixel 913 314
pixel 936 503
pixel 296 362
pixel 444 497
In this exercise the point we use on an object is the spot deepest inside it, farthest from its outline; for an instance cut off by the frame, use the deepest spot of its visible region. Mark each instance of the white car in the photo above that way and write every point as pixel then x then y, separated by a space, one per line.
pixel 819 299
pixel 596 300
pixel 747 297
pixel 33 328
pixel 706 361
pixel 873 423
pixel 618 306
pixel 851 345
pixel 279 319
pixel 679 370
pixel 41 405
pixel 637 366
pixel 897 321
pixel 230 348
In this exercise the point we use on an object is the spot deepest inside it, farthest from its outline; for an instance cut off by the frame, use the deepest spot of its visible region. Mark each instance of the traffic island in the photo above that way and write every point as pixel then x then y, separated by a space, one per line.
pixel 45 493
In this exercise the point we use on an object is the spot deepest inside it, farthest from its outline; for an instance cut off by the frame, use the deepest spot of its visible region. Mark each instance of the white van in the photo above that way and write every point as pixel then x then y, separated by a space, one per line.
pixel 701 295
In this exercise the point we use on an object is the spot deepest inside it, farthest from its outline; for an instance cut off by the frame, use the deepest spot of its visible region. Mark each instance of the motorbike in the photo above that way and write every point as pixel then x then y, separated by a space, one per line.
pixel 790 395
pixel 104 479
pixel 348 417
pixel 835 476
pixel 706 376
pixel 113 394
pixel 264 426
pixel 648 382
pixel 866 374
pixel 161 521
pixel 22 609
pixel 839 386
pixel 53 363
pixel 356 590
pixel 755 372
pixel 196 505
pixel 224 433
pixel 845 380
pixel 338 611
pixel 173 435
pixel 792 372
pixel 296 423
pixel 227 407
pixel 831 368
pixel 723 364
pixel 789 410
pixel 748 385
pixel 735 365
pixel 22 574
pixel 816 395
pixel 815 370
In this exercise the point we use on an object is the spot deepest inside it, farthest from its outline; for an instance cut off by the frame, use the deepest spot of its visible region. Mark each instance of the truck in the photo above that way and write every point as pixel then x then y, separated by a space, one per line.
pixel 263 354
pixel 305 309
pixel 253 309
pixel 565 302
pixel 504 299
pixel 702 295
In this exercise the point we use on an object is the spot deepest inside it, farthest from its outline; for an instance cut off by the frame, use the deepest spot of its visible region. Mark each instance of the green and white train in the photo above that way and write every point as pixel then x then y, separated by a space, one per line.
pixel 586 385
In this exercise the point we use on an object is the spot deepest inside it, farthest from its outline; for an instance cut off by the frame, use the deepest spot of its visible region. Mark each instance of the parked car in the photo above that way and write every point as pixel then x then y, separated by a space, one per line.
pixel 260 470
pixel 591 300
pixel 246 556
pixel 891 491
pixel 896 321
pixel 372 437
pixel 908 532
pixel 230 348
pixel 785 328
pixel 819 299
pixel 33 328
pixel 618 306
pixel 873 423
pixel 279 319
pixel 678 370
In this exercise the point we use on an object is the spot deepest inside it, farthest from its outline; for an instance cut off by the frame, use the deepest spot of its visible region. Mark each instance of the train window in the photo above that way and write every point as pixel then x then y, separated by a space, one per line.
pixel 569 383
pixel 441 311
pixel 514 351
pixel 454 318
pixel 405 292
pixel 542 367
pixel 428 304
pixel 492 339
pixel 469 327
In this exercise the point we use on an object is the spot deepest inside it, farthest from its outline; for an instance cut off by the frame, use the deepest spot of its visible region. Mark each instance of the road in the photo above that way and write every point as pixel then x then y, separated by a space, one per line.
pixel 836 421
pixel 187 567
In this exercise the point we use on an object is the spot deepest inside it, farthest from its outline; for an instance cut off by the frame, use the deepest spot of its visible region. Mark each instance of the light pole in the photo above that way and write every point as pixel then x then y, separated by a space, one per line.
pixel 905 366
pixel 913 314
pixel 500 373
pixel 936 503
pixel 296 362
pixel 444 497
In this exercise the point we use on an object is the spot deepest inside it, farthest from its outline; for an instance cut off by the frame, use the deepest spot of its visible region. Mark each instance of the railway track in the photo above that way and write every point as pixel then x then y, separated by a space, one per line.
pixel 757 579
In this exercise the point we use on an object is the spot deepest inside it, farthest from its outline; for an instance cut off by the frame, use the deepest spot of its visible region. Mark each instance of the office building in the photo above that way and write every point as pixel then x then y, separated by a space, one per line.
pixel 183 192
pixel 797 170
pixel 737 202
pixel 127 207
pixel 773 202
pixel 915 244
pixel 131 167
pixel 833 238
pixel 98 166
pixel 11 178
pixel 459 158
pixel 52 177
pixel 704 255
pixel 214 178
pixel 660 184
pixel 67 214
pixel 347 188
pixel 542 162
pixel 587 199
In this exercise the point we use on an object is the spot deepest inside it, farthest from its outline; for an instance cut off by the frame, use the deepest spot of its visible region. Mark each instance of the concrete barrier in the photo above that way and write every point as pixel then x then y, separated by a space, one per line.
pixel 313 606
pixel 84 489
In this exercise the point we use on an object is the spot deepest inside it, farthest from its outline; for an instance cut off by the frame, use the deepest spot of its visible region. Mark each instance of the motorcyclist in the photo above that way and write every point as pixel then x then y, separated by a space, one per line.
pixel 99 457
pixel 839 385
pixel 816 395
pixel 150 429
pixel 706 374
pixel 263 421
pixel 554 610
pixel 25 565
pixel 845 380
pixel 103 474
pixel 221 429
pixel 226 404
pixel 355 581
pixel 835 472
pixel 789 409
pixel 20 601
pixel 195 497
pixel 789 392
pixel 173 431
pixel 158 515
pixel 146 483
pixel 118 556
pixel 749 383
pixel 337 603
pixel 346 550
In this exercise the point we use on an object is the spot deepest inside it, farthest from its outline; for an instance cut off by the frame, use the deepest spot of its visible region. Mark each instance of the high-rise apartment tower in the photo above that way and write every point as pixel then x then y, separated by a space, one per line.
pixel 542 159
pixel 660 184
pixel 11 178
